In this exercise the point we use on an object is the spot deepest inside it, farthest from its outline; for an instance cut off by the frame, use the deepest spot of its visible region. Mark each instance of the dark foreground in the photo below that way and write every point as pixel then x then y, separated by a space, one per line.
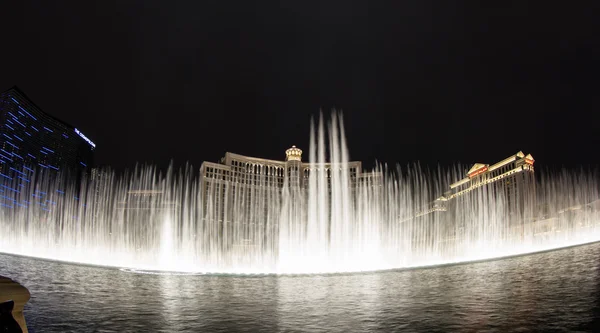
pixel 552 291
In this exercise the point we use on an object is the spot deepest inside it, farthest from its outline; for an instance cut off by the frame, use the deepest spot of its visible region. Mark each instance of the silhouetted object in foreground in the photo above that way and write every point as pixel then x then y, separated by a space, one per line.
pixel 8 324
pixel 13 295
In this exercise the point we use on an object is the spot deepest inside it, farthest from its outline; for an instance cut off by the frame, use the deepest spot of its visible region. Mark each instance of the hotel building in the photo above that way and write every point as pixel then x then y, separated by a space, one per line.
pixel 264 177
pixel 512 180
pixel 507 187
pixel 514 175
pixel 31 139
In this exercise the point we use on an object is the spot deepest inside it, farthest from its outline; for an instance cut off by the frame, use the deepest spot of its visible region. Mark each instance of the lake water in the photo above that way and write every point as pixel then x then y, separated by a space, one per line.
pixel 552 291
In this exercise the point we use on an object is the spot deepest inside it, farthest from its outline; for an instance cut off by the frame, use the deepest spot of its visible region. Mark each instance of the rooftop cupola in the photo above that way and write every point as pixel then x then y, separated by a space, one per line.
pixel 293 154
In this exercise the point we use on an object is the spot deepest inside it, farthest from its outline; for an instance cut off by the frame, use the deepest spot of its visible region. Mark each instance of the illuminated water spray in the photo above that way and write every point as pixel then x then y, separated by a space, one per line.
pixel 166 244
pixel 322 218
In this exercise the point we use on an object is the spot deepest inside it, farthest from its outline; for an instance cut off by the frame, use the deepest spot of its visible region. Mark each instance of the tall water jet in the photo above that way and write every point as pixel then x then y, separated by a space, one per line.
pixel 166 244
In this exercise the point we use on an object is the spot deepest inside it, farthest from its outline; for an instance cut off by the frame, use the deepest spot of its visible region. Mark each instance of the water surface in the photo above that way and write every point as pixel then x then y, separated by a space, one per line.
pixel 552 291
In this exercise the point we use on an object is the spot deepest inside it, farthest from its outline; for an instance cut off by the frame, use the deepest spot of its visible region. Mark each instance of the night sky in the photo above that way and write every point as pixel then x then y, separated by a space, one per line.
pixel 435 82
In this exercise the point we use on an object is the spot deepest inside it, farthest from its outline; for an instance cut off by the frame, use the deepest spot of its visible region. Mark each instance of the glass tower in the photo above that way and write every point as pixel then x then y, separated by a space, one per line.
pixel 32 140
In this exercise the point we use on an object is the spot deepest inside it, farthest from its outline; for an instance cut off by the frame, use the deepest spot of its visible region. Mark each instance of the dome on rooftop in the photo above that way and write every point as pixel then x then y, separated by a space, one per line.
pixel 293 154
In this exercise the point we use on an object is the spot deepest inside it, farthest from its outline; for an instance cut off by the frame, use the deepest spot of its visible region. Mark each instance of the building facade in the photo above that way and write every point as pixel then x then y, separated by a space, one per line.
pixel 250 178
pixel 513 175
pixel 512 179
pixel 506 189
pixel 31 140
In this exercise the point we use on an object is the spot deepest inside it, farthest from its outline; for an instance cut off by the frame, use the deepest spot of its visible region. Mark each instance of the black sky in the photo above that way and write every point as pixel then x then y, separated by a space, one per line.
pixel 436 82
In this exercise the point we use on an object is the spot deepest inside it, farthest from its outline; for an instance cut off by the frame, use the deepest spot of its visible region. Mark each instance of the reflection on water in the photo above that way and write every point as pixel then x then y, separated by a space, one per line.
pixel 557 290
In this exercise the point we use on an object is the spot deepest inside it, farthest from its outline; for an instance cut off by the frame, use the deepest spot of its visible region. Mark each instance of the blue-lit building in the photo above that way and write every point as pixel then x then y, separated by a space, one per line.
pixel 32 140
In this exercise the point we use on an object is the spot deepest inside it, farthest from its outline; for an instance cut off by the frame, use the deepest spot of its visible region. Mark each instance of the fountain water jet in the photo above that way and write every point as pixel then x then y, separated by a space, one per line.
pixel 145 220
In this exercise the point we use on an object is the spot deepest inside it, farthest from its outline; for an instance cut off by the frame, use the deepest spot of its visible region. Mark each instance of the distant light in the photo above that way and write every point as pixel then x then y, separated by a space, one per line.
pixel 20 123
pixel 8 158
pixel 10 189
pixel 25 179
pixel 29 114
pixel 85 138
pixel 8 198
pixel 17 171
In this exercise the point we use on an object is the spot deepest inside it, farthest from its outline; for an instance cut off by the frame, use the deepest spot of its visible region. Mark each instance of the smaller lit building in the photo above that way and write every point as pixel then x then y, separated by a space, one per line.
pixel 513 174
pixel 513 178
